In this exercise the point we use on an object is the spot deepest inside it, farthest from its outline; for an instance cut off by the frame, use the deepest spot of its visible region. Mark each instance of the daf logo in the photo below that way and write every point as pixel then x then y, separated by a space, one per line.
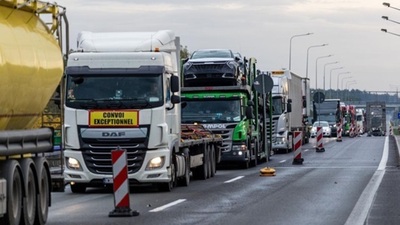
pixel 215 126
pixel 113 134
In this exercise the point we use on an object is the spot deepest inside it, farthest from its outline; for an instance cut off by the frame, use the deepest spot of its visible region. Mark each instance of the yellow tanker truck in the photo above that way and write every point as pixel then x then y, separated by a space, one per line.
pixel 31 68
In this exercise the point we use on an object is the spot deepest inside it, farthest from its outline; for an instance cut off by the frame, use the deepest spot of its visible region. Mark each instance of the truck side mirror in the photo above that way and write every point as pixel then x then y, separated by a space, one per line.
pixel 289 106
pixel 249 112
pixel 175 99
pixel 174 84
pixel 57 97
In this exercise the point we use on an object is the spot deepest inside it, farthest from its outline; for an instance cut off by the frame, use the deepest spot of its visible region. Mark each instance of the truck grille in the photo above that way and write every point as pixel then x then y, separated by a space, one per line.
pixel 99 160
pixel 274 121
pixel 96 149
pixel 207 67
pixel 226 138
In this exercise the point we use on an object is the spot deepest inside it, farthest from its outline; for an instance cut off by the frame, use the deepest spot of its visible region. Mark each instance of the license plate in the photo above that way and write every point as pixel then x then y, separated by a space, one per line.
pixel 107 180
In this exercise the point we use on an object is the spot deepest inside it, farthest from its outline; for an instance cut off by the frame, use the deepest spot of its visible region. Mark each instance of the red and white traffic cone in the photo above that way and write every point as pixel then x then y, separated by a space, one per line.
pixel 339 132
pixel 121 185
pixel 320 145
pixel 297 148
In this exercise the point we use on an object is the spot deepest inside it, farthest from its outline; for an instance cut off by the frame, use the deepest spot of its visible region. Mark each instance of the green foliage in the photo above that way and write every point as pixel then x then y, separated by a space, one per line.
pixel 184 52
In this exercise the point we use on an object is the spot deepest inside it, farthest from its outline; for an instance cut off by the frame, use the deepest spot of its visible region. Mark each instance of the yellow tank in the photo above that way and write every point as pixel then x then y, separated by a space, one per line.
pixel 31 64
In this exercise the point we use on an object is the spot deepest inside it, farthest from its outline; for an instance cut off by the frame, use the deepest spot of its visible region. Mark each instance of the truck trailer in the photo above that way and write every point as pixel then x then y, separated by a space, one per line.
pixel 32 65
pixel 123 91
pixel 329 110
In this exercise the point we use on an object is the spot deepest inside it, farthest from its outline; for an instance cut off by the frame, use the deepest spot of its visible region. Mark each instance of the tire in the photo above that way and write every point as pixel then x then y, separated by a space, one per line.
pixel 11 171
pixel 44 190
pixel 168 186
pixel 78 188
pixel 246 164
pixel 254 162
pixel 209 161
pixel 213 161
pixel 202 171
pixel 30 191
pixel 185 180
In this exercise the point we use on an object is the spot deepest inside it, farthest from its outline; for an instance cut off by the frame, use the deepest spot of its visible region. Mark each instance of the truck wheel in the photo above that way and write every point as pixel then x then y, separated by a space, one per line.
pixel 185 180
pixel 254 162
pixel 11 172
pixel 209 161
pixel 167 187
pixel 29 200
pixel 213 162
pixel 78 188
pixel 44 190
pixel 246 164
pixel 201 171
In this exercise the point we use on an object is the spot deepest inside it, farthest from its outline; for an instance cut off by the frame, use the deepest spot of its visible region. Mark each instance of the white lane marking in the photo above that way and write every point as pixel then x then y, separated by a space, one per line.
pixel 282 161
pixel 364 203
pixel 161 208
pixel 234 179
pixel 307 150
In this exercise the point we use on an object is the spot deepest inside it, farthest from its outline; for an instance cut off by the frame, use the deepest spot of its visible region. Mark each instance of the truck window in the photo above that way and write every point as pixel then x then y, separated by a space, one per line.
pixel 140 89
pixel 212 111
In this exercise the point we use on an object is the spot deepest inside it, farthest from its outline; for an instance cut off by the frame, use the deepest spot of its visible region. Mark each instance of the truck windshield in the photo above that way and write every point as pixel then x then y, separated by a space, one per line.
pixel 212 111
pixel 128 91
pixel 277 106
pixel 329 118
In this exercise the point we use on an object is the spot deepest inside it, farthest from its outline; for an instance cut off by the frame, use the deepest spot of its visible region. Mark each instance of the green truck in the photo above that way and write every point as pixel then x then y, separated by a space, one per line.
pixel 233 111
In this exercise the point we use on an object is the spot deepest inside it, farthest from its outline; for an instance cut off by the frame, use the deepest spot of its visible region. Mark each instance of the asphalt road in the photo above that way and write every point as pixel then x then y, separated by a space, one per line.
pixel 348 183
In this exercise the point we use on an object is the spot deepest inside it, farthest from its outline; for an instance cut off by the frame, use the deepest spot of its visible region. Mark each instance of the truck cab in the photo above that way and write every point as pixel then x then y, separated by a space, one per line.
pixel 110 104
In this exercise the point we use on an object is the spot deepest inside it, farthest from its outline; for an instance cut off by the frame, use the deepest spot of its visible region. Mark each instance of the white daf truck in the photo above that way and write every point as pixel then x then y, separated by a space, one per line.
pixel 123 91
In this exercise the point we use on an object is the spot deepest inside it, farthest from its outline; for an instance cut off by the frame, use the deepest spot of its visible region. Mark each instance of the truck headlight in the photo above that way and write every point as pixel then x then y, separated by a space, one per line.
pixel 73 164
pixel 156 163
pixel 280 140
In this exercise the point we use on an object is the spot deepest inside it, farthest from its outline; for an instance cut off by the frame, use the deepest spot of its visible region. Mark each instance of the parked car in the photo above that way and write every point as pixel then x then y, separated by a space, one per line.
pixel 326 129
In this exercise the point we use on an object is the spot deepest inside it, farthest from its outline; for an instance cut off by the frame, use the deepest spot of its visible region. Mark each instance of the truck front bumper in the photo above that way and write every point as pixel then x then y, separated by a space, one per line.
pixel 145 175
pixel 235 156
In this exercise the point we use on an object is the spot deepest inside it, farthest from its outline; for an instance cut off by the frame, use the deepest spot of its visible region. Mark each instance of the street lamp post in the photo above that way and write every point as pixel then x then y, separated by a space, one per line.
pixel 387 18
pixel 386 31
pixel 388 5
pixel 316 69
pixel 308 51
pixel 290 47
pixel 330 79
pixel 337 82
pixel 350 82
pixel 325 69
pixel 344 78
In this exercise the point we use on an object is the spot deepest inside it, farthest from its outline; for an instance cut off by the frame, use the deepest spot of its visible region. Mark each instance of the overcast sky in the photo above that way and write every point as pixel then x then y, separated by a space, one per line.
pixel 263 29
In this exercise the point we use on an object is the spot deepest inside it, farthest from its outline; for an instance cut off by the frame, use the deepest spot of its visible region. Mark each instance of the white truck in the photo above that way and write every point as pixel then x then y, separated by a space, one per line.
pixel 31 68
pixel 288 108
pixel 111 103
pixel 361 121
